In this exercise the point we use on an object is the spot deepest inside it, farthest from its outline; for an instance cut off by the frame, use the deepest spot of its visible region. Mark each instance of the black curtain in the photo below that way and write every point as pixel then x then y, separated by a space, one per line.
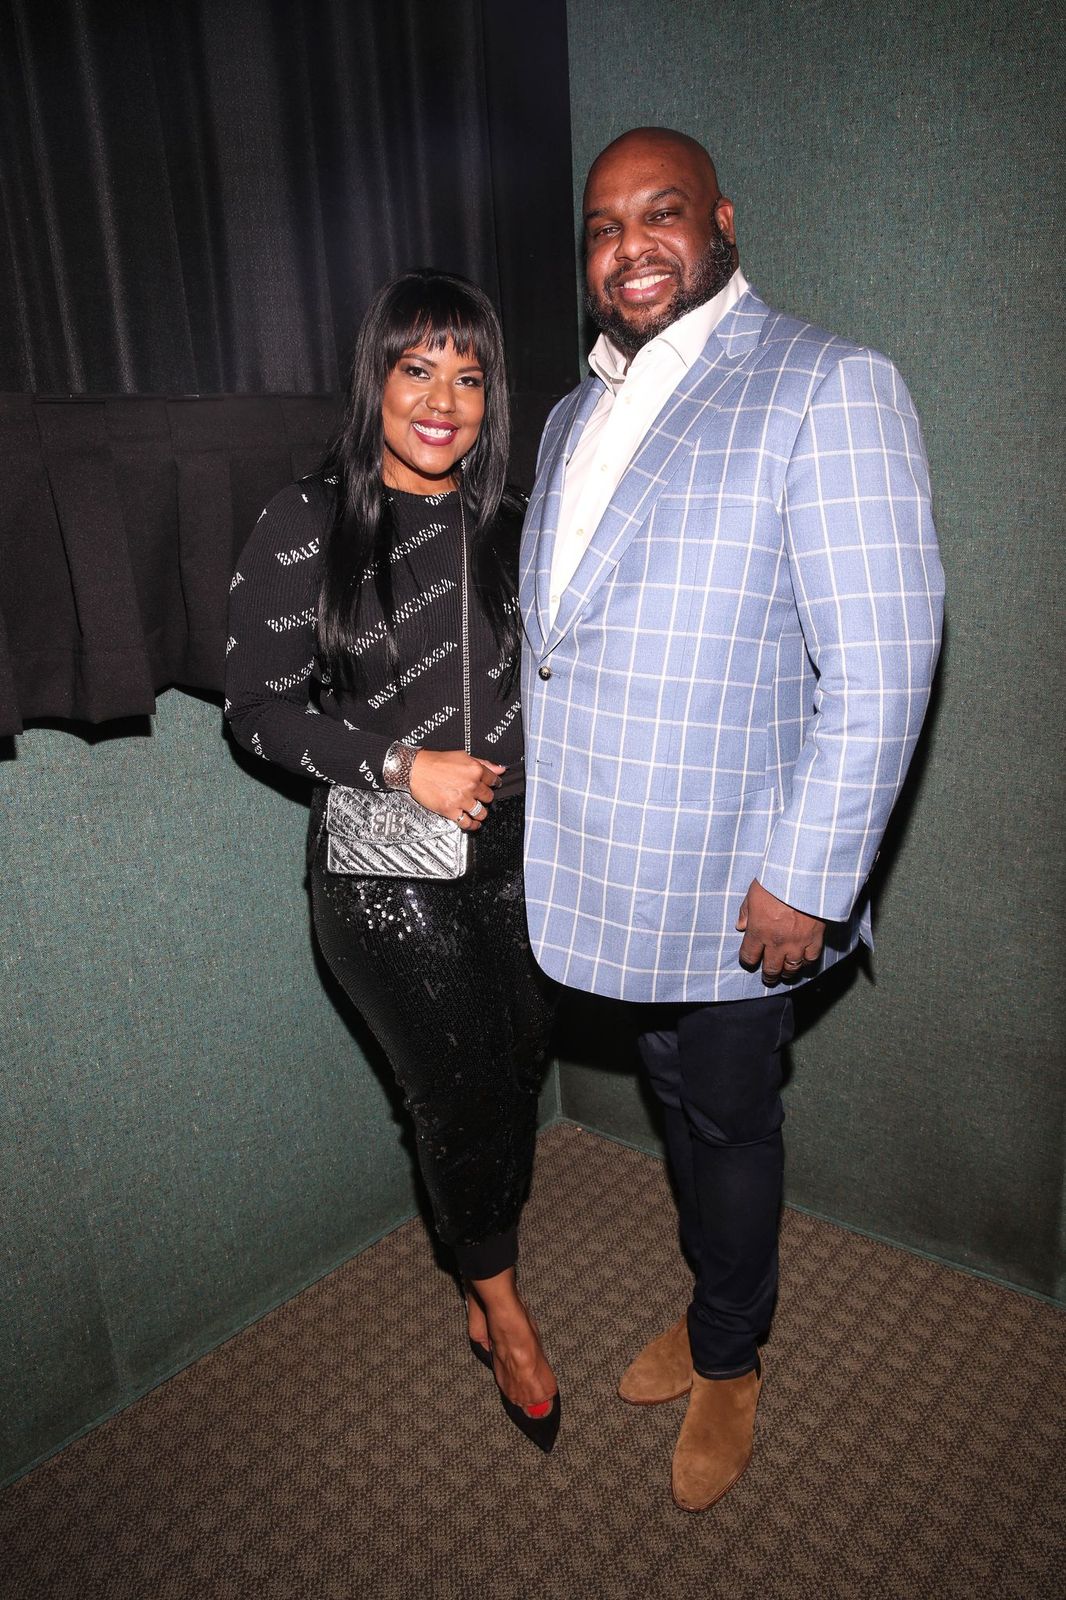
pixel 199 197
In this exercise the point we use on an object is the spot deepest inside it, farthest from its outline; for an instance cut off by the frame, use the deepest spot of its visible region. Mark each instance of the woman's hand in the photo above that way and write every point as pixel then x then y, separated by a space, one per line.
pixel 454 785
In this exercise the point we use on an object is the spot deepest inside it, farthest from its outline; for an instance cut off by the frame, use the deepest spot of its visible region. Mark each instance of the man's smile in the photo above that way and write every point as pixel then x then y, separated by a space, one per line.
pixel 642 286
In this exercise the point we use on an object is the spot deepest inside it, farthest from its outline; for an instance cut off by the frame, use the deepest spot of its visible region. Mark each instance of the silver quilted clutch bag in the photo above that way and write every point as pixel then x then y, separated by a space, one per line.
pixel 392 836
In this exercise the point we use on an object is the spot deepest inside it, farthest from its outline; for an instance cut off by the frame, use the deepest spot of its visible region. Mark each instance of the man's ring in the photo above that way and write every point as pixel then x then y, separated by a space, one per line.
pixel 476 809
pixel 459 818
pixel 793 961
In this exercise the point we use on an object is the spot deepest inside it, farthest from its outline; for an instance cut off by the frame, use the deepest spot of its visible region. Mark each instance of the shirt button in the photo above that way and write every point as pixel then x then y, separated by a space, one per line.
pixel 544 672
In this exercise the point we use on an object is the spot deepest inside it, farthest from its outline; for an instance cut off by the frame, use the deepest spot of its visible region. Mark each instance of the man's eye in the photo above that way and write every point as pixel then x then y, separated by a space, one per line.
pixel 663 216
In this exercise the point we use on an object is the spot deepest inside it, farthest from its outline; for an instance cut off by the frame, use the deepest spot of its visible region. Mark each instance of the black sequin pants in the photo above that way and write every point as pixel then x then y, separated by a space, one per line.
pixel 443 975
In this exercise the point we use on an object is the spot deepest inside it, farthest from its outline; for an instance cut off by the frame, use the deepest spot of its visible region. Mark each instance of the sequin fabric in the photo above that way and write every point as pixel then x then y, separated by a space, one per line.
pixel 443 975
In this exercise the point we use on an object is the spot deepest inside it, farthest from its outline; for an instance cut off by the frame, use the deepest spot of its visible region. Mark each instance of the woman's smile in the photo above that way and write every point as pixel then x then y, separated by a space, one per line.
pixel 435 432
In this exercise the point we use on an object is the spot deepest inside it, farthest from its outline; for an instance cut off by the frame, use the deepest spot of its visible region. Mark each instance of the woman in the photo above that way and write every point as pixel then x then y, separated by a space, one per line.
pixel 346 662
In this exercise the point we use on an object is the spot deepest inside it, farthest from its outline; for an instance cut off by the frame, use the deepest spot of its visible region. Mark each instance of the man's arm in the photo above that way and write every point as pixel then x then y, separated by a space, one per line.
pixel 869 587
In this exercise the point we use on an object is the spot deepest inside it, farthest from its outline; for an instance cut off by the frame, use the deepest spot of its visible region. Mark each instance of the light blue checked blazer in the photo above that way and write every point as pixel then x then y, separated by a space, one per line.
pixel 737 675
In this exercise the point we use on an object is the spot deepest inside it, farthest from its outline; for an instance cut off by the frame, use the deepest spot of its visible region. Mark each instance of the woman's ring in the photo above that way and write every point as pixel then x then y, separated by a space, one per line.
pixel 476 809
pixel 459 818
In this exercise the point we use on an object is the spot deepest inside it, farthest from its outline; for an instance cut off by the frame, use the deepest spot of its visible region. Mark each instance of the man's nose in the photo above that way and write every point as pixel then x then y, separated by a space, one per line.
pixel 634 241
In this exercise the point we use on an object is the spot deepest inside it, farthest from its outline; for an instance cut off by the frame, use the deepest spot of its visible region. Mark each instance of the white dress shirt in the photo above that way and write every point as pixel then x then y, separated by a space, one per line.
pixel 633 396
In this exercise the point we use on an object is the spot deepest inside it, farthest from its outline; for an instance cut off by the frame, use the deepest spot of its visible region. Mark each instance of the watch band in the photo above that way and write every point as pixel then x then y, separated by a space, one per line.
pixel 396 767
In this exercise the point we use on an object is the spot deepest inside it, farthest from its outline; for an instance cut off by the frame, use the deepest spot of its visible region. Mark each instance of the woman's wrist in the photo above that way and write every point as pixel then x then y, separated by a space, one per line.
pixel 396 768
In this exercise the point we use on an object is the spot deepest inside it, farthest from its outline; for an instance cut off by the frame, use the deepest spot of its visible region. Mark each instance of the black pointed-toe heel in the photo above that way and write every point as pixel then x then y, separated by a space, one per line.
pixel 542 1431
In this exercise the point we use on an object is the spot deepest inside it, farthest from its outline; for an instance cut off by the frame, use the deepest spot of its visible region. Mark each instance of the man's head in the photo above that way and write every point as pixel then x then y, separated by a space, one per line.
pixel 659 237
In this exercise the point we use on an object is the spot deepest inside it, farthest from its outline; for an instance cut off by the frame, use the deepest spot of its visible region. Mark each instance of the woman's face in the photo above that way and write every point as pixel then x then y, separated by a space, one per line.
pixel 431 409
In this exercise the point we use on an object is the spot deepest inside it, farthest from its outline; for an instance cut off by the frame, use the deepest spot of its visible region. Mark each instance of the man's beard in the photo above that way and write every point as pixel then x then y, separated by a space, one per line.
pixel 711 273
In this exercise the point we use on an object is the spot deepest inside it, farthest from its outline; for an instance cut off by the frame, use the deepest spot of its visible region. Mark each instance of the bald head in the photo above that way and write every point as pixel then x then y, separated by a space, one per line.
pixel 659 236
pixel 664 147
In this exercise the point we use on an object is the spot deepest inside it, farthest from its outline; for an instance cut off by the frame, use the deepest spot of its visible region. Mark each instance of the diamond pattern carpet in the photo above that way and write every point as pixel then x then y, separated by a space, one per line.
pixel 348 1447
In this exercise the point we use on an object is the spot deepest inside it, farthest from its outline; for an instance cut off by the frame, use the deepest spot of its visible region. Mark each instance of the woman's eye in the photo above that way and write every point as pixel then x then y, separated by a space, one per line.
pixel 413 370
pixel 472 381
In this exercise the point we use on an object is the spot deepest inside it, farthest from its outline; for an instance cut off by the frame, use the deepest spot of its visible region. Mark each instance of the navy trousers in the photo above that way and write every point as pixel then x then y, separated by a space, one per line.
pixel 716 1069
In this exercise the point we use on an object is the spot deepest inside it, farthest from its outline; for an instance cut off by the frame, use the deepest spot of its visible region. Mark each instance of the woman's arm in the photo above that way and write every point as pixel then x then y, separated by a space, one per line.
pixel 270 649
pixel 270 656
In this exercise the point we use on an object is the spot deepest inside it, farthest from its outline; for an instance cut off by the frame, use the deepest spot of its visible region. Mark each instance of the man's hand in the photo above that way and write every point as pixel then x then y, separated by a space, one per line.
pixel 782 939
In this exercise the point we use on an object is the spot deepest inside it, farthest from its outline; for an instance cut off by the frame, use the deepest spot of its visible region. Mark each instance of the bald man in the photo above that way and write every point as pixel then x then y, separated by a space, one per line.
pixel 732 597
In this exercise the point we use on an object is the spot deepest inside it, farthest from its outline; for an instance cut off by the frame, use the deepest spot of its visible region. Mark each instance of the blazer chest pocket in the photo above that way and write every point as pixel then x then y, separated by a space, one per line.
pixel 709 563
pixel 716 543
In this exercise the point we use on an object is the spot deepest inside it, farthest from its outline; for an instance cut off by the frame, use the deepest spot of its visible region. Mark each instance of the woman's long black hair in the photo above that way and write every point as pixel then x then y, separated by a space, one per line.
pixel 416 308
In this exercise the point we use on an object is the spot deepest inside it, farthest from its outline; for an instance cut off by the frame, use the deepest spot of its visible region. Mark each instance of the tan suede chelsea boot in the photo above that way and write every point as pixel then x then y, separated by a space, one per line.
pixel 715 1444
pixel 662 1370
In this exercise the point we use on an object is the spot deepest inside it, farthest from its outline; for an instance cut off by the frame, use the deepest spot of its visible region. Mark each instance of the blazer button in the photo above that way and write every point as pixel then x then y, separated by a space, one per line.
pixel 544 672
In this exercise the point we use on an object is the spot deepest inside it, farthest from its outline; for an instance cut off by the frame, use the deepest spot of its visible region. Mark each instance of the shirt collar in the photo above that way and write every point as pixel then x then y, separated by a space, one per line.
pixel 679 344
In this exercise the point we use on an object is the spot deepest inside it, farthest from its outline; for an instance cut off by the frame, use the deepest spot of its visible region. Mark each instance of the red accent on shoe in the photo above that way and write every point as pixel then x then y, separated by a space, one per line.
pixel 541 1408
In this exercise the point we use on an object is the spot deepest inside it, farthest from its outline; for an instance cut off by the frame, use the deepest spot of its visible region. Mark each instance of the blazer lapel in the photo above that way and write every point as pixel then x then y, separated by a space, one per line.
pixel 668 442
pixel 542 517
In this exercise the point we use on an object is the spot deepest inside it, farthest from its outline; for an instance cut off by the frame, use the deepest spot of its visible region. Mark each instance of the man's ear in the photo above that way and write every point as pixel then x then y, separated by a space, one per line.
pixel 723 215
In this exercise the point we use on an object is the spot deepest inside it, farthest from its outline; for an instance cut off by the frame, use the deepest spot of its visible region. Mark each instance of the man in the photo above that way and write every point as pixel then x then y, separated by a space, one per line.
pixel 732 596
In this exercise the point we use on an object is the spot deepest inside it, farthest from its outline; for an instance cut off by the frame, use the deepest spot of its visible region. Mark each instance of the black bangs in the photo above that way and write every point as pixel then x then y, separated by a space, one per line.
pixel 436 309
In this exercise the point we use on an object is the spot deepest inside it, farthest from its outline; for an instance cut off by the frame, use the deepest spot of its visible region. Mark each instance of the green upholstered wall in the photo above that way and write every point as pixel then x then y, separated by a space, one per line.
pixel 896 178
pixel 189 1129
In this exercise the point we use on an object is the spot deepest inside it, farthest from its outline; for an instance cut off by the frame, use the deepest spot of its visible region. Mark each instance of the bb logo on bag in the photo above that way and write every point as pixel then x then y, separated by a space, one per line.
pixel 388 824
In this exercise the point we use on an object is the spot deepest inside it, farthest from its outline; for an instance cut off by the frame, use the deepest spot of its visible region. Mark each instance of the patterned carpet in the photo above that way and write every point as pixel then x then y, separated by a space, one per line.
pixel 909 1441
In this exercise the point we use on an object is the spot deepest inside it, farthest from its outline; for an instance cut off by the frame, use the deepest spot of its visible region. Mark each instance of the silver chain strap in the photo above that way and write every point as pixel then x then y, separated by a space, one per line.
pixel 466 626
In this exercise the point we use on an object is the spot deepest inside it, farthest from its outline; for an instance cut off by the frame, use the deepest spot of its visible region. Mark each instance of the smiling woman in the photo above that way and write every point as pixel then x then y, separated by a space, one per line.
pixel 379 596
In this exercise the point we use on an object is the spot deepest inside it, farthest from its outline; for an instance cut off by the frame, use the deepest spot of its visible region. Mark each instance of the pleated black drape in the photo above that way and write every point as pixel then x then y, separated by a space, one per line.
pixel 199 197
